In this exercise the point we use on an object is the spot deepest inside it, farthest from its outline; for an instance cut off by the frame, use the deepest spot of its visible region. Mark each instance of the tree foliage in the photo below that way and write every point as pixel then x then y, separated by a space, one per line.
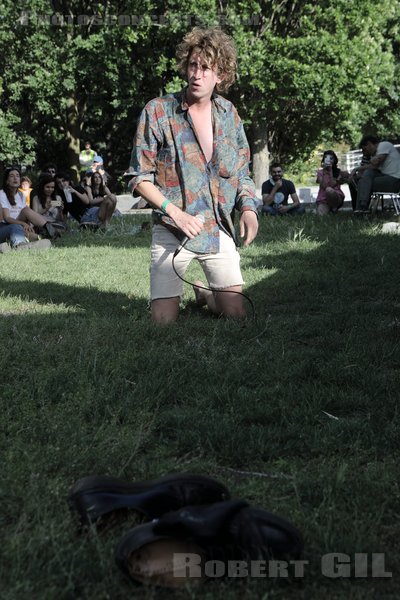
pixel 314 71
pixel 308 72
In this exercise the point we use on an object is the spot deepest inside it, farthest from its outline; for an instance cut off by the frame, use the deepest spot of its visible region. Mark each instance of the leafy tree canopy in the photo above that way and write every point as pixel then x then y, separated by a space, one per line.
pixel 83 70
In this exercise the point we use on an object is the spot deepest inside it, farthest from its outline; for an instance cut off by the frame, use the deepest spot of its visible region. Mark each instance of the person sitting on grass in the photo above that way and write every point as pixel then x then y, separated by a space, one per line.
pixel 100 195
pixel 12 233
pixel 16 212
pixel 47 203
pixel 78 204
pixel 330 195
pixel 49 169
pixel 275 193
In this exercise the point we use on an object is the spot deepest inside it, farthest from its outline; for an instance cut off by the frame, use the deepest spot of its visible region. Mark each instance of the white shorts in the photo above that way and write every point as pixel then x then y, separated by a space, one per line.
pixel 222 270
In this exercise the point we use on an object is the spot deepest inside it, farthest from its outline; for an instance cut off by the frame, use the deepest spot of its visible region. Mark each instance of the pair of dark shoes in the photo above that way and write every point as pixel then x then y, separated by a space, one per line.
pixel 193 522
pixel 51 231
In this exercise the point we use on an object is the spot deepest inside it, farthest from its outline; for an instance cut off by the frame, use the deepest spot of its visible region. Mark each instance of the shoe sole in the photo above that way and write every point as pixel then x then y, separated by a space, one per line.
pixel 149 557
pixel 95 496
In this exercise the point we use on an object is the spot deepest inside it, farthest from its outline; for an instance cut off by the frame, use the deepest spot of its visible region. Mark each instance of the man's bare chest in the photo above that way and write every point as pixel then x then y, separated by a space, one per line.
pixel 202 123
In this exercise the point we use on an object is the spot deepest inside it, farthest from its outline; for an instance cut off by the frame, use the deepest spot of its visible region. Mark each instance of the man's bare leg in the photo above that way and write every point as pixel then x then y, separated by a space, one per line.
pixel 165 310
pixel 221 303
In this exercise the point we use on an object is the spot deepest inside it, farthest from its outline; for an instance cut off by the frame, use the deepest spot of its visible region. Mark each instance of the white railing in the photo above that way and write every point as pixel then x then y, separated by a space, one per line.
pixel 353 158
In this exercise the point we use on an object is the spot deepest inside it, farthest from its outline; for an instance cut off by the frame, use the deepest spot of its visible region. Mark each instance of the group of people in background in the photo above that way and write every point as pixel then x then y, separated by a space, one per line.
pixel 192 200
pixel 31 217
pixel 379 171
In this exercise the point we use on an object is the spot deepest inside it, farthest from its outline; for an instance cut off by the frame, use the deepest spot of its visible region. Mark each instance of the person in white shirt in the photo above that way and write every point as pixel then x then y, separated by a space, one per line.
pixel 15 210
pixel 381 174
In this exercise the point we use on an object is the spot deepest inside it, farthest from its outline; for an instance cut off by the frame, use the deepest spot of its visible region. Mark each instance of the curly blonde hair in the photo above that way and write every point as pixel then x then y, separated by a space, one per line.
pixel 216 47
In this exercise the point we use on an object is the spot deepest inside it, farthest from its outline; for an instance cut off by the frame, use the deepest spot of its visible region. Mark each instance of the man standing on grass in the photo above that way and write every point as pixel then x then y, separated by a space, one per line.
pixel 86 157
pixel 190 157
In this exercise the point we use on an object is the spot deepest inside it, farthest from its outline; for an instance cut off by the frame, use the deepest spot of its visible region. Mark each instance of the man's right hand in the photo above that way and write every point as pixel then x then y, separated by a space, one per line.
pixel 278 184
pixel 185 222
pixel 189 224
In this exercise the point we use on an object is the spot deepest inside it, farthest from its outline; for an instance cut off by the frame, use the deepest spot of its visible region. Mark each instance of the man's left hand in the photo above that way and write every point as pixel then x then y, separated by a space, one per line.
pixel 248 226
pixel 283 209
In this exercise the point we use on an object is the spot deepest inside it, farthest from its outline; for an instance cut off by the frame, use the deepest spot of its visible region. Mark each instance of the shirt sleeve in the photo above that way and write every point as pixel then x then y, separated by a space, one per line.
pixel 266 187
pixel 246 197
pixel 3 200
pixel 383 148
pixel 291 188
pixel 146 143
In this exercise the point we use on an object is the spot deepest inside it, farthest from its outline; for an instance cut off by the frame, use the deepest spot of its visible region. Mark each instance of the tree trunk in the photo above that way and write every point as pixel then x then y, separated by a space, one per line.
pixel 73 131
pixel 258 139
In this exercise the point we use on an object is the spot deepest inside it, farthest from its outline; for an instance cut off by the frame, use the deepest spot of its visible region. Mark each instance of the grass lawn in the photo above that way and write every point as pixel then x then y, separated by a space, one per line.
pixel 296 410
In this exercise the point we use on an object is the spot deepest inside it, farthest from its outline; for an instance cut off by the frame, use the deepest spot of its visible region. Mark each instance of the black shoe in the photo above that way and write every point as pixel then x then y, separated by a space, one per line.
pixel 89 226
pixel 172 551
pixel 95 496
pixel 49 232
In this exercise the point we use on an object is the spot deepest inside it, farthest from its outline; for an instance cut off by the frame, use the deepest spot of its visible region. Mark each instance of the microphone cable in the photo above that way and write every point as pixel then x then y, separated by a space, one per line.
pixel 203 287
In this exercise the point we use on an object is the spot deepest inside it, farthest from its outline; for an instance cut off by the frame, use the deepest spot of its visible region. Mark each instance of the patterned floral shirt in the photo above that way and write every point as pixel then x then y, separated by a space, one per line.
pixel 167 153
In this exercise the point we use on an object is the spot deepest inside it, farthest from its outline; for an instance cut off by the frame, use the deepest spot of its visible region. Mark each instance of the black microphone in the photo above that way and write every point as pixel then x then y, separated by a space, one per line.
pixel 186 239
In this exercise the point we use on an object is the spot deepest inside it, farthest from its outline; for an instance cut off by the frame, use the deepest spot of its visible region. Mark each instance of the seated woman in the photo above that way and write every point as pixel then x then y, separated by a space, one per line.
pixel 48 204
pixel 16 212
pixel 10 233
pixel 330 196
pixel 99 195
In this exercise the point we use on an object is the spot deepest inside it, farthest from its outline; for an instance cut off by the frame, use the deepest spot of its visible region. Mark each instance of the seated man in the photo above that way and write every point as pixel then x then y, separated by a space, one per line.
pixel 354 178
pixel 275 193
pixel 77 203
pixel 381 174
pixel 98 166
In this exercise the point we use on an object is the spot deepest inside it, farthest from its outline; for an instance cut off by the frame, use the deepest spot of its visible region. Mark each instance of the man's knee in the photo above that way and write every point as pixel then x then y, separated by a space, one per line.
pixel 230 303
pixel 165 310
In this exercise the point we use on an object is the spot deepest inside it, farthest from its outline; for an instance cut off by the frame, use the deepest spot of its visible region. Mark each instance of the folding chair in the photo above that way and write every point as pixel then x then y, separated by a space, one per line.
pixel 382 197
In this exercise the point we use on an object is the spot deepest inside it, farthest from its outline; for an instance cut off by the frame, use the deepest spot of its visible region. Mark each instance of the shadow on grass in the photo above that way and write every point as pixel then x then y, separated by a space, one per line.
pixel 89 301
pixel 304 399
pixel 342 259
